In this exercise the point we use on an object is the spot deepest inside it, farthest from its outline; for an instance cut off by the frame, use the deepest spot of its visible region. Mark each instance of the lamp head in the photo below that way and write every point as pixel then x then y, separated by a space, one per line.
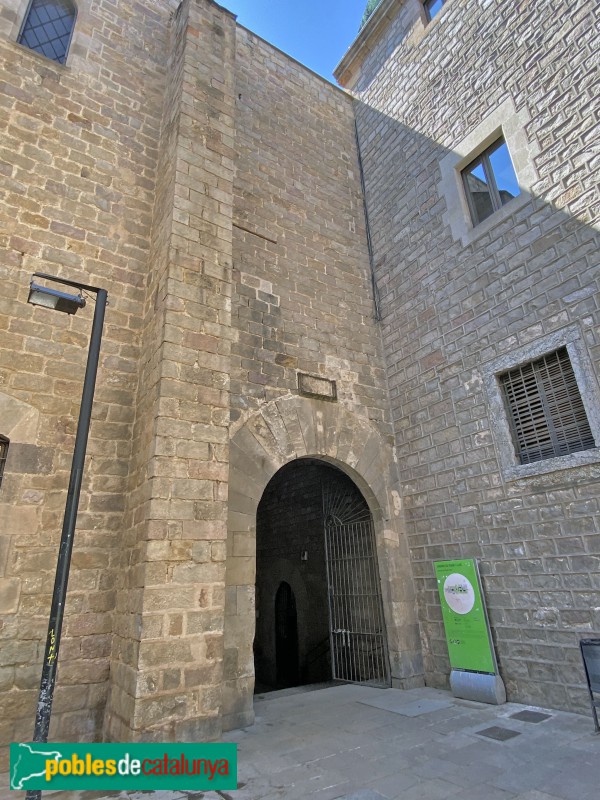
pixel 52 298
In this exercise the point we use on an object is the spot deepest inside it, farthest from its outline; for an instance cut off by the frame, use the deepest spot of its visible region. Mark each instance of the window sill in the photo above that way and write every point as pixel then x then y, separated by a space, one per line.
pixel 42 59
pixel 571 338
pixel 498 217
pixel 572 461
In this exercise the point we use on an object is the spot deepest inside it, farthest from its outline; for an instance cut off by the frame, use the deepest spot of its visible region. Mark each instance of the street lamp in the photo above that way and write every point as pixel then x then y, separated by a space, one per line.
pixel 52 298
pixel 68 303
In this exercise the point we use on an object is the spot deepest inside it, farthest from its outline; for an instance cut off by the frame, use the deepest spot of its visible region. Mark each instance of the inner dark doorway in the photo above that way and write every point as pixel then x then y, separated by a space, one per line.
pixel 306 581
pixel 286 636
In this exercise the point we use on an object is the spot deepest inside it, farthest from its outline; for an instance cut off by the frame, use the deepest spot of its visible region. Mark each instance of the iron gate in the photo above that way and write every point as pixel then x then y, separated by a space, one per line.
pixel 356 623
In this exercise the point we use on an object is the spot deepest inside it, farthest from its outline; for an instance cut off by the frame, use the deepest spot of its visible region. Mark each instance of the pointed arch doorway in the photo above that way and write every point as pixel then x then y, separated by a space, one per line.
pixel 319 608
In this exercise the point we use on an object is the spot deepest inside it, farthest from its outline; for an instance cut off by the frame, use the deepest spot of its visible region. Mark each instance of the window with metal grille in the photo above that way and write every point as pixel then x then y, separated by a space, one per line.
pixel 3 453
pixel 545 410
pixel 48 27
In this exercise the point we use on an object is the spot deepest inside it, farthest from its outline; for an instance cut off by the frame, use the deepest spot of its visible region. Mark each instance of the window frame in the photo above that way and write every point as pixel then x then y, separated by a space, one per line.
pixel 589 390
pixel 506 121
pixel 426 4
pixel 533 411
pixel 4 445
pixel 488 170
pixel 24 22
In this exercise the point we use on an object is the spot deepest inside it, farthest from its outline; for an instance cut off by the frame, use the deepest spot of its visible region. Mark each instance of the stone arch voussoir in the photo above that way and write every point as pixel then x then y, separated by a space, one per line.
pixel 297 427
pixel 262 443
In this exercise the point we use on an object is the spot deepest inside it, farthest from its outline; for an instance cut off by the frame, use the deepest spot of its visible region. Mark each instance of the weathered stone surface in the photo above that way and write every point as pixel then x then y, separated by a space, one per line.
pixel 452 304
pixel 9 595
pixel 30 459
pixel 224 214
pixel 241 562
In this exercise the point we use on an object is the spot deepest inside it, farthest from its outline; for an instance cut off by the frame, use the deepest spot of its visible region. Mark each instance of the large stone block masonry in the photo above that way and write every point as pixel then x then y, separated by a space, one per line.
pixel 212 185
pixel 454 303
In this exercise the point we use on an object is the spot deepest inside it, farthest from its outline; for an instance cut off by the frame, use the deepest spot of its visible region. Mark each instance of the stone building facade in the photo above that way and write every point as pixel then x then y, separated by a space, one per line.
pixel 462 304
pixel 213 186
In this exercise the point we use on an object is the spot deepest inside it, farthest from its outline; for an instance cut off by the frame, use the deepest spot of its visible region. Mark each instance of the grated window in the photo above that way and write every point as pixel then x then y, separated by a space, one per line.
pixel 545 410
pixel 3 453
pixel 48 27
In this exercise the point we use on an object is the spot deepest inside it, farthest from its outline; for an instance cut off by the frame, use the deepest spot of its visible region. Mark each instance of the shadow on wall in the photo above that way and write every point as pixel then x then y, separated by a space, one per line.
pixel 459 311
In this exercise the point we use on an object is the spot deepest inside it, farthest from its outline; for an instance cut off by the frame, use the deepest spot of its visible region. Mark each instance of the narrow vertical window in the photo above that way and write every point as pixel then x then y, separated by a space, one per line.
pixel 48 27
pixel 3 453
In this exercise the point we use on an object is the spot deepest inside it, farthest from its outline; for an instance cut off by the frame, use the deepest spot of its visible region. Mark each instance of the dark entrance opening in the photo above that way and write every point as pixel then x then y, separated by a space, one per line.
pixel 318 598
pixel 286 636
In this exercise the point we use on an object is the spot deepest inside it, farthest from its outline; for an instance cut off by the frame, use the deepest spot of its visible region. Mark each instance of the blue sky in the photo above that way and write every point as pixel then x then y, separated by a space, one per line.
pixel 315 32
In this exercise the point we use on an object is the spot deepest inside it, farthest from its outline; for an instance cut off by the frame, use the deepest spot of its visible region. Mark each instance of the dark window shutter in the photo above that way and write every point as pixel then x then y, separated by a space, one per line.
pixel 545 410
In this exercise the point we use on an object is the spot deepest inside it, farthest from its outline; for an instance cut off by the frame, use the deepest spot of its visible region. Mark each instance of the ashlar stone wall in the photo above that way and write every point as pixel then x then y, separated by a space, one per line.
pixel 211 184
pixel 78 152
pixel 167 664
pixel 302 302
pixel 456 307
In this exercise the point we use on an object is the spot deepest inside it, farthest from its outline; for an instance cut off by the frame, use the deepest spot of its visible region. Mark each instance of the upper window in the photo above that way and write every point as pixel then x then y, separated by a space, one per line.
pixel 432 7
pixel 546 415
pixel 48 27
pixel 3 453
pixel 490 181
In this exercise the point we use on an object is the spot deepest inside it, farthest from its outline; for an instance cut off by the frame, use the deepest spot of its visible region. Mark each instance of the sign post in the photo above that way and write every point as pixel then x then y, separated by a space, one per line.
pixel 590 653
pixel 474 674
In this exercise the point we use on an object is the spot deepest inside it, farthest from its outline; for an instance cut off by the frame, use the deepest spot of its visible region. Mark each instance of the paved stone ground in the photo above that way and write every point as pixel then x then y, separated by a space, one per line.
pixel 358 743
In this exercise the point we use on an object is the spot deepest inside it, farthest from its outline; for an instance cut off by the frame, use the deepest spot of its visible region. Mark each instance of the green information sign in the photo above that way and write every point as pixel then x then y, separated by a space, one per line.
pixel 465 618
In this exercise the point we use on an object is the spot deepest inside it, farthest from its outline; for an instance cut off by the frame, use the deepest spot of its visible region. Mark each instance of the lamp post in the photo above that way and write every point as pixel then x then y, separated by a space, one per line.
pixel 68 303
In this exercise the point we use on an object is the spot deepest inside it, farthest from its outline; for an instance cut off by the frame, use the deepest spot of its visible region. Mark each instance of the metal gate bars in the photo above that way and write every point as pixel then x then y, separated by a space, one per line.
pixel 357 628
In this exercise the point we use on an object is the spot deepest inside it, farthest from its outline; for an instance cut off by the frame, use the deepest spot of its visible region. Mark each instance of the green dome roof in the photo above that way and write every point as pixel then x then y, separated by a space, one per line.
pixel 371 6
